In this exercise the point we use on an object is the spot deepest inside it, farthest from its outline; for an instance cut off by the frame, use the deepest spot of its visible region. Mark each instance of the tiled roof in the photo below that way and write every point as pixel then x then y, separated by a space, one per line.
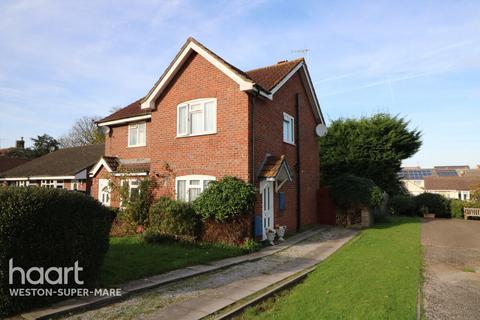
pixel 271 167
pixel 10 163
pixel 265 78
pixel 451 183
pixel 63 162
pixel 132 110
pixel 269 77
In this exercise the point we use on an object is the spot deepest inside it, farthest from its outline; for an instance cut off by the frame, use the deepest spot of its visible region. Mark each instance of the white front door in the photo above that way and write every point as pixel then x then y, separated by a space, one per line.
pixel 266 188
pixel 104 192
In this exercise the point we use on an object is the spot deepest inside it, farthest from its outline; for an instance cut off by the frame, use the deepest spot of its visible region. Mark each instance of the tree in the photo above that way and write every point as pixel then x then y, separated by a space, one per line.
pixel 370 147
pixel 475 193
pixel 83 132
pixel 44 144
pixel 41 145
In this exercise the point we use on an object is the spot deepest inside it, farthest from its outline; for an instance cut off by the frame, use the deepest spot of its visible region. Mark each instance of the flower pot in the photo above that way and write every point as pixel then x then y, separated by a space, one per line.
pixel 271 236
pixel 429 215
pixel 281 232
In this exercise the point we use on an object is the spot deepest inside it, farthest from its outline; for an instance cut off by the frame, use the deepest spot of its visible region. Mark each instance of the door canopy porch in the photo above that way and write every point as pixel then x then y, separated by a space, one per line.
pixel 276 169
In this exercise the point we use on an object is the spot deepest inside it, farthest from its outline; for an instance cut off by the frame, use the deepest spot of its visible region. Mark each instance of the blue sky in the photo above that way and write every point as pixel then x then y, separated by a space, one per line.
pixel 61 60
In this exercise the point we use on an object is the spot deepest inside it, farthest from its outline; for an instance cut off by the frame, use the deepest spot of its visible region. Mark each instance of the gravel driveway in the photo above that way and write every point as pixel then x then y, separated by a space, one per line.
pixel 452 269
pixel 161 302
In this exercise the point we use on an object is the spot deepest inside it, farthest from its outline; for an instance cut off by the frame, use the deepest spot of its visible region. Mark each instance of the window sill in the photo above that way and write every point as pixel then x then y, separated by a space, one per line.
pixel 137 146
pixel 290 143
pixel 196 135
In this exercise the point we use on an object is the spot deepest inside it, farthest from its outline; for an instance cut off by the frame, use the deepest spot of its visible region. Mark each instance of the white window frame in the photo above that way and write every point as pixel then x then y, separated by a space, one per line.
pixel 188 185
pixel 188 105
pixel 137 125
pixel 54 184
pixel 291 120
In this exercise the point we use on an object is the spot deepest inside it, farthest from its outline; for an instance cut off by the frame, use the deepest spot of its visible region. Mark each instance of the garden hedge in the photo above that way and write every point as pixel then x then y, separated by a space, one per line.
pixel 174 217
pixel 42 227
pixel 403 205
pixel 350 192
pixel 435 203
pixel 225 199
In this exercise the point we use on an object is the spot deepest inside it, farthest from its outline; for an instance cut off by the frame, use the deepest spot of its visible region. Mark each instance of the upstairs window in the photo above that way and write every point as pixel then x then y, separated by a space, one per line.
pixel 137 134
pixel 190 187
pixel 288 129
pixel 197 117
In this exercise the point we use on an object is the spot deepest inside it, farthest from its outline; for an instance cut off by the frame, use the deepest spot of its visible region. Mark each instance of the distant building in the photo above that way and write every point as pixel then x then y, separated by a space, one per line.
pixel 63 169
pixel 452 187
pixel 453 182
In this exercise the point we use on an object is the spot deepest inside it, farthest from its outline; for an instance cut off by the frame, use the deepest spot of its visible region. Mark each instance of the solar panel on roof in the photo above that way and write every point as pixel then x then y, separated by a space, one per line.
pixel 447 173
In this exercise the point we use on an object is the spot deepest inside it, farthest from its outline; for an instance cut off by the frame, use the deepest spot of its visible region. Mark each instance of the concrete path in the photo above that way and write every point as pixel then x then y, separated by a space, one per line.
pixel 452 269
pixel 202 295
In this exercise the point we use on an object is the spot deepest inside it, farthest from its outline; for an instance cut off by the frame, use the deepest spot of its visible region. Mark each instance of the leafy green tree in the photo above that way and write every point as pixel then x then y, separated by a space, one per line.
pixel 44 144
pixel 370 147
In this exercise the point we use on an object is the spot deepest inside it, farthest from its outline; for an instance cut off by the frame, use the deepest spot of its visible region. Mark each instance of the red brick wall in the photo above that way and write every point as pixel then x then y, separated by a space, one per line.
pixel 220 154
pixel 116 143
pixel 269 139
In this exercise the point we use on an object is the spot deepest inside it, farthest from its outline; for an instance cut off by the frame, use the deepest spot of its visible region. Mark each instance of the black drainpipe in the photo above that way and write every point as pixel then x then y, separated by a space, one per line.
pixel 297 142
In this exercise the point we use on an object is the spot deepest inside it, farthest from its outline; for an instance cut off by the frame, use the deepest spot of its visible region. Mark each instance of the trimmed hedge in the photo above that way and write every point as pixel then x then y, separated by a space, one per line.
pixel 174 217
pixel 456 208
pixel 42 227
pixel 350 192
pixel 225 199
pixel 435 203
pixel 403 205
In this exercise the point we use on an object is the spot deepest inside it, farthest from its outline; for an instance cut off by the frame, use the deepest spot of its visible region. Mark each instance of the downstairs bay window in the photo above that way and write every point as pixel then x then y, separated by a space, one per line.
pixel 188 188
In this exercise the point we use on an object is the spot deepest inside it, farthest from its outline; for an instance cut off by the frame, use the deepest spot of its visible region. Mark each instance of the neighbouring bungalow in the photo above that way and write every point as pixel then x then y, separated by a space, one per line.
pixel 452 187
pixel 64 169
pixel 205 119
pixel 451 181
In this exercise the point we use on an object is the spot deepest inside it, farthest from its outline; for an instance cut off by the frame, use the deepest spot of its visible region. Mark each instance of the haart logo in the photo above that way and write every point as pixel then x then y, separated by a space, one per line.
pixel 40 276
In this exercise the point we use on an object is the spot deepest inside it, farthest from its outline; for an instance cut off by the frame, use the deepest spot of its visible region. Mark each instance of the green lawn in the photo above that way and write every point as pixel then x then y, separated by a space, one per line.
pixel 130 258
pixel 375 276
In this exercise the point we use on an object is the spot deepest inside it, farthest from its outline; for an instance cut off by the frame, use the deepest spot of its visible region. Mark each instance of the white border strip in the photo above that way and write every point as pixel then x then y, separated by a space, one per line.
pixel 126 120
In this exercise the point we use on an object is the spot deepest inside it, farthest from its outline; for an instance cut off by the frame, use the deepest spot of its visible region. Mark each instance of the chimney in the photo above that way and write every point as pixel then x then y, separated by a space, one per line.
pixel 20 144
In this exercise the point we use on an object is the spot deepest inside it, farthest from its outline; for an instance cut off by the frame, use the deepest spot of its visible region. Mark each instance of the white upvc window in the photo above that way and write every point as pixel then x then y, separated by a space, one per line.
pixel 188 188
pixel 137 134
pixel 197 117
pixel 288 128
pixel 22 183
pixel 55 184
pixel 133 187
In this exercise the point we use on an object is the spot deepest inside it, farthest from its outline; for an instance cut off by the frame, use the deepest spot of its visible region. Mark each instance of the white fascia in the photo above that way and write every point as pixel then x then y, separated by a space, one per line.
pixel 126 120
pixel 245 85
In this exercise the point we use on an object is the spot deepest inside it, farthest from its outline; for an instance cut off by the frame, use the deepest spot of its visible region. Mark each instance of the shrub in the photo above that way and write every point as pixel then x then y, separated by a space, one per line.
pixel 42 227
pixel 225 199
pixel 175 218
pixel 435 203
pixel 456 208
pixel 351 192
pixel 249 246
pixel 403 205
pixel 136 206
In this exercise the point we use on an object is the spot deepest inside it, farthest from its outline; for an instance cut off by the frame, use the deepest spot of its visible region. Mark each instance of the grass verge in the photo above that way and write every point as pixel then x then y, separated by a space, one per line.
pixel 130 258
pixel 375 276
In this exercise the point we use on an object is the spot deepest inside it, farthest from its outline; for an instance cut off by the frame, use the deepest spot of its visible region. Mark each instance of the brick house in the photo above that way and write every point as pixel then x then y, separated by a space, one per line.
pixel 205 119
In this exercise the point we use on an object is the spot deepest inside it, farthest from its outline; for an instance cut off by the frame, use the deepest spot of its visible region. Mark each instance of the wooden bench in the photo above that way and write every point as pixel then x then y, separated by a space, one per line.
pixel 471 212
